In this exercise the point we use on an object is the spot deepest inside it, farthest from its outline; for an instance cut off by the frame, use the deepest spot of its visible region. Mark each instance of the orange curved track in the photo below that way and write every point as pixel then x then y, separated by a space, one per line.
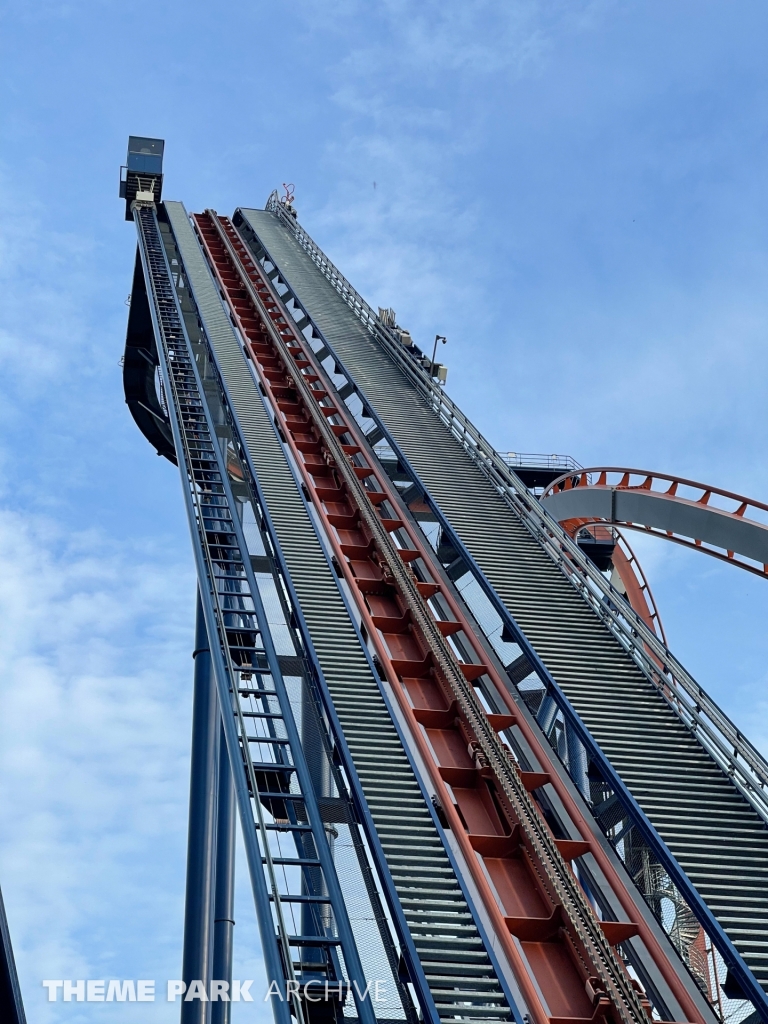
pixel 629 574
pixel 720 523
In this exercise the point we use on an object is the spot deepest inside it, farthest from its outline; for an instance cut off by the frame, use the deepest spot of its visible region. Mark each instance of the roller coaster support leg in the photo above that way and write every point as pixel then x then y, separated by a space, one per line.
pixel 198 917
pixel 223 900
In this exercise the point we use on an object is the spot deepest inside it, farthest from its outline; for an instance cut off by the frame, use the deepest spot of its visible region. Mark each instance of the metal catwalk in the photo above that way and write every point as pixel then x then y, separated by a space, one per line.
pixel 464 767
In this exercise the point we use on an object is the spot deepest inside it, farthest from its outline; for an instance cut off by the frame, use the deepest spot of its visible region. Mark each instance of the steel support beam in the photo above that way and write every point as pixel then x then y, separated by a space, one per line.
pixel 11 1006
pixel 223 900
pixel 198 909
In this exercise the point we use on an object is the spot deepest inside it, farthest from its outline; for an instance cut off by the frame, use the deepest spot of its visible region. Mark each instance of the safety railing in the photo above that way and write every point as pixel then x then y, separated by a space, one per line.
pixel 530 460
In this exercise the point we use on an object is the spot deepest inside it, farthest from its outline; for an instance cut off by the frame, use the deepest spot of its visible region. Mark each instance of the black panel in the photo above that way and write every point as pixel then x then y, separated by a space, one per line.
pixel 139 366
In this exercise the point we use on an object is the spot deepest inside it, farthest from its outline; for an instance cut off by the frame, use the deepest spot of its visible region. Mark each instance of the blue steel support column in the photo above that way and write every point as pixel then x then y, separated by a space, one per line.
pixel 11 1006
pixel 314 918
pixel 577 760
pixel 198 924
pixel 223 900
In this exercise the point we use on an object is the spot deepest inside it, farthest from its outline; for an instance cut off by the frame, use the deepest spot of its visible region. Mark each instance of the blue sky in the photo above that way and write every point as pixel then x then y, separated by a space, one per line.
pixel 573 192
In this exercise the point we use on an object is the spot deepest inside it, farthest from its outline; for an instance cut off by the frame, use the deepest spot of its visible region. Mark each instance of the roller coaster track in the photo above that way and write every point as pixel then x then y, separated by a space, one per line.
pixel 729 746
pixel 438 446
pixel 465 760
pixel 380 558
pixel 445 953
pixel 637 589
pixel 736 754
pixel 709 519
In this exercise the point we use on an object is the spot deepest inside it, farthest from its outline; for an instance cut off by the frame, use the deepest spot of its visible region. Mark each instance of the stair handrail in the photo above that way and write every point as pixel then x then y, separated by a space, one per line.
pixel 659 665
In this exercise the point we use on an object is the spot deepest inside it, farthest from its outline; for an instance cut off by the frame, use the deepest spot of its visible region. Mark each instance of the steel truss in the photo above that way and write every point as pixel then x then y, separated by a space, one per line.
pixel 11 1005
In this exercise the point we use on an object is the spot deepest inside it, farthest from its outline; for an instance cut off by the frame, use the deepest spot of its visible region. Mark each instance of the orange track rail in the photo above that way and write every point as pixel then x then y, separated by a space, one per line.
pixel 548 957
pixel 637 589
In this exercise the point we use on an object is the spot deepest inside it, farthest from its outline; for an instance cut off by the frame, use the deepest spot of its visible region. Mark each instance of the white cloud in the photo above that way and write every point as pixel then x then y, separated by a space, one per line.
pixel 423 38
pixel 94 744
pixel 45 275
pixel 480 36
